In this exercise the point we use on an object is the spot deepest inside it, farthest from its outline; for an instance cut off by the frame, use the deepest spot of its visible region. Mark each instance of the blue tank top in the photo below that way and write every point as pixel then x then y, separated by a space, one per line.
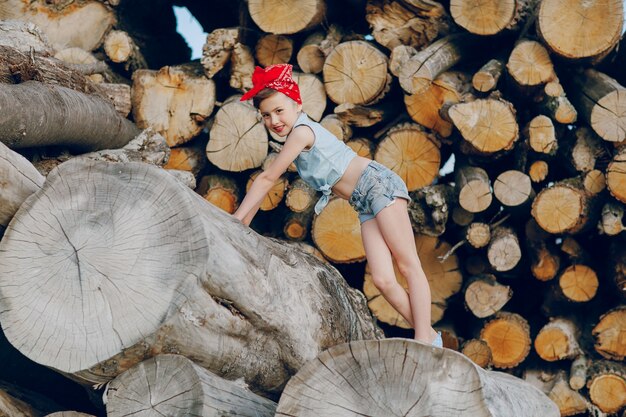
pixel 324 163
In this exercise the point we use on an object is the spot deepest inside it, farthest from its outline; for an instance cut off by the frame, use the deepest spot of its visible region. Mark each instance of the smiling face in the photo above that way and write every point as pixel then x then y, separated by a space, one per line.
pixel 279 113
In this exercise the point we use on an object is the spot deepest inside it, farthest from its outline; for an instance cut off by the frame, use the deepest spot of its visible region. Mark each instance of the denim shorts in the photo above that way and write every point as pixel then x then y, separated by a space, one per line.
pixel 377 188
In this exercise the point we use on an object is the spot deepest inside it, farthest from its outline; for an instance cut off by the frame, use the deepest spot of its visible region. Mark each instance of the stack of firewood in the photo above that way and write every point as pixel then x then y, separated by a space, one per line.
pixel 522 238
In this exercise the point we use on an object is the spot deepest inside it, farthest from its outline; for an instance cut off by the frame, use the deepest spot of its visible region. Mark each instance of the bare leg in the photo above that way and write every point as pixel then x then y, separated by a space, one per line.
pixel 381 268
pixel 395 226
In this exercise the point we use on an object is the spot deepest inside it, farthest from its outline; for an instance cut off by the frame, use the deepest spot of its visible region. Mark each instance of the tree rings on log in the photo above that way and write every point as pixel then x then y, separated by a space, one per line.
pixel 274 196
pixel 336 232
pixel 504 250
pixel 489 125
pixel 508 337
pixel 607 385
pixel 575 29
pixel 285 17
pixel 601 101
pixel 474 188
pixel 561 208
pixel 172 385
pixel 355 72
pixel 417 379
pixel 312 93
pixel 412 153
pixel 237 139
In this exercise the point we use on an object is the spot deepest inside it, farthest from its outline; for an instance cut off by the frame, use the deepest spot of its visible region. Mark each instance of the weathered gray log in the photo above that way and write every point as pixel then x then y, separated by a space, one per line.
pixel 149 147
pixel 19 180
pixel 24 36
pixel 173 386
pixel 130 263
pixel 400 377
pixel 35 114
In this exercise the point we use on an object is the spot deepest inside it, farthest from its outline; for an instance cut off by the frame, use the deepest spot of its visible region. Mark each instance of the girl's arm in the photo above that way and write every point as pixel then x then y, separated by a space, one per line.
pixel 300 138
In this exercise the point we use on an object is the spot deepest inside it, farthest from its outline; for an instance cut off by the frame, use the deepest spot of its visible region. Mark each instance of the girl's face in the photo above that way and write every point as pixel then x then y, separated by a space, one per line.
pixel 279 113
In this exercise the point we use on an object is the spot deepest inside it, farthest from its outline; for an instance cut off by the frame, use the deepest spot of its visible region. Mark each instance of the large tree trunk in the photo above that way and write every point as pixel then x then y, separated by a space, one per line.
pixel 38 115
pixel 143 265
pixel 399 377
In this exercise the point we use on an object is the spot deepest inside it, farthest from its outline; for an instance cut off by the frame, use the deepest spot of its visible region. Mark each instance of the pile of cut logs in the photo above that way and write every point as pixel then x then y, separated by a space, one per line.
pixel 505 118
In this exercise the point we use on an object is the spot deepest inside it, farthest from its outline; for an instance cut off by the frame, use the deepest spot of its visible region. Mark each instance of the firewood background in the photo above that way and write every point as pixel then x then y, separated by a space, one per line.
pixel 522 241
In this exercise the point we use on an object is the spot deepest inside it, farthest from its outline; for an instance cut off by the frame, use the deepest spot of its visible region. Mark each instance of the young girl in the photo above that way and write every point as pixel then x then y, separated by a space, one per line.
pixel 378 195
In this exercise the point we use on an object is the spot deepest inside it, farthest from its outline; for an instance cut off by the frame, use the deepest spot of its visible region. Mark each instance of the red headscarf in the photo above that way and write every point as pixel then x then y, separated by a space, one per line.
pixel 277 77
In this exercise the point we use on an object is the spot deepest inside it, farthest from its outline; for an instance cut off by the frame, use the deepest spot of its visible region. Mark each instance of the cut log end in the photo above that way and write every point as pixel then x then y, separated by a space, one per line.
pixel 579 283
pixel 488 125
pixel 286 17
pixel 412 153
pixel 508 337
pixel 355 72
pixel 478 351
pixel 483 18
pixel 576 30
pixel 336 231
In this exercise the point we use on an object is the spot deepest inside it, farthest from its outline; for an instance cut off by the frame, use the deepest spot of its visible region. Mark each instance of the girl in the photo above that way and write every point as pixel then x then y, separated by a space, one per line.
pixel 378 195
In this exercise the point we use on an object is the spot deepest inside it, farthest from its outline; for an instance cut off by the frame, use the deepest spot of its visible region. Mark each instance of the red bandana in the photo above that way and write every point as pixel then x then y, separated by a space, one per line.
pixel 277 77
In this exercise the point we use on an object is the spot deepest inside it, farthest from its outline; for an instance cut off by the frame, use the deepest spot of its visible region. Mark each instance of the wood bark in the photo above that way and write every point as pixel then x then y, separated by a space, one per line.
pixel 172 385
pixel 395 24
pixel 421 69
pixel 558 340
pixel 487 77
pixel 316 48
pixel 508 337
pixel 488 125
pixel 414 384
pixel 448 88
pixel 60 116
pixel 273 49
pixel 429 209
pixel 484 296
pixel 175 288
pixel 599 99
pixel 607 385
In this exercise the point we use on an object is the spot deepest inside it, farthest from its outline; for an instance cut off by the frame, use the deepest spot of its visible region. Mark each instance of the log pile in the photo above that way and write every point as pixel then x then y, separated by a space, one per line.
pixel 521 236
